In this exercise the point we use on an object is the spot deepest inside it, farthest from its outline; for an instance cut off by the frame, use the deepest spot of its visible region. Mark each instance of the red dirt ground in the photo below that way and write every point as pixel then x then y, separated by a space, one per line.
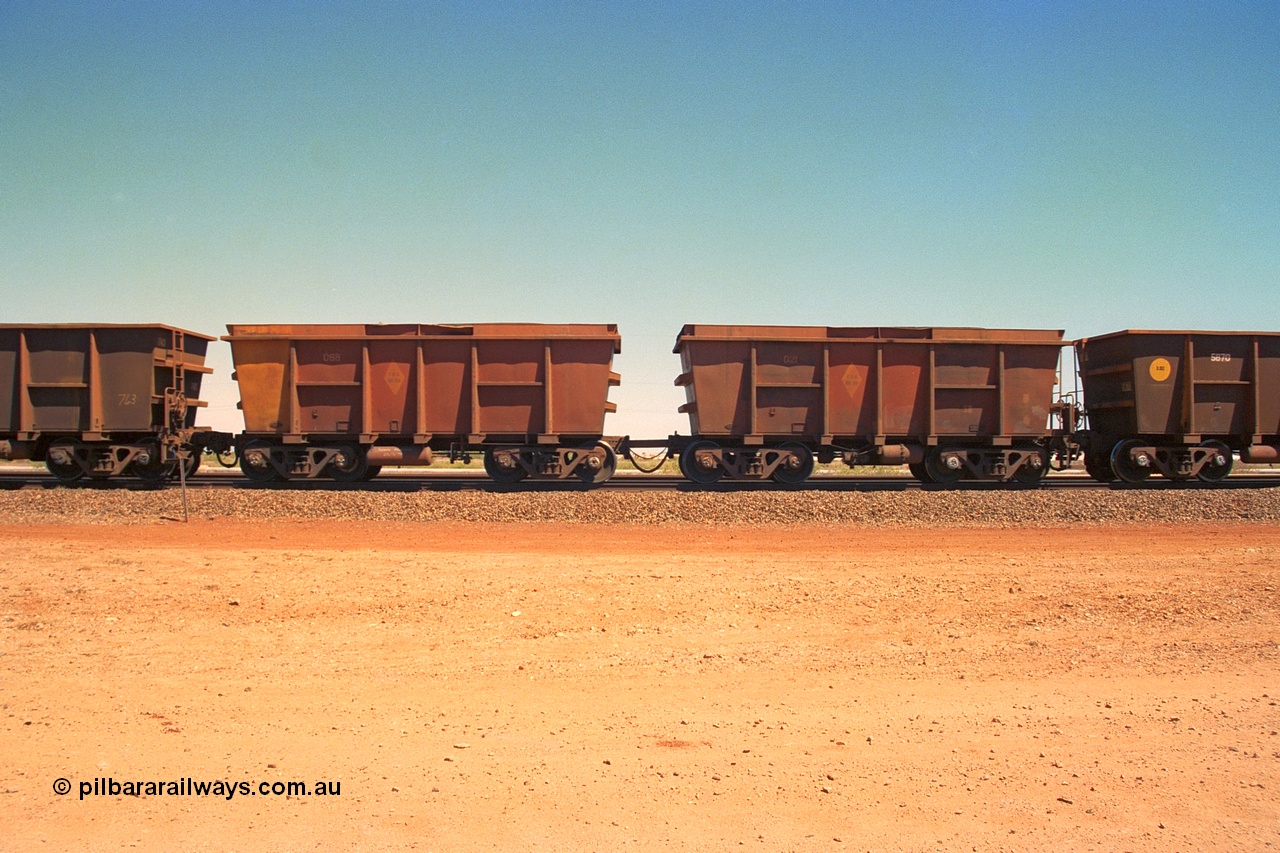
pixel 576 687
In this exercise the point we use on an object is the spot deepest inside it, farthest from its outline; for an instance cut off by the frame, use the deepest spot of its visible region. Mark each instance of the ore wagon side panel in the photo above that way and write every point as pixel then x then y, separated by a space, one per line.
pixel 261 368
pixel 447 384
pixel 1267 394
pixel 719 367
pixel 1158 390
pixel 1030 374
pixel 904 390
pixel 966 390
pixel 510 386
pixel 393 391
pixel 789 388
pixel 580 372
pixel 58 371
pixel 329 386
pixel 10 382
pixel 130 366
pixel 850 389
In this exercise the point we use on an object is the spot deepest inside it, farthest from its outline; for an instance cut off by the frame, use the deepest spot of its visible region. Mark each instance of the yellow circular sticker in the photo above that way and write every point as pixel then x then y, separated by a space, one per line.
pixel 1160 369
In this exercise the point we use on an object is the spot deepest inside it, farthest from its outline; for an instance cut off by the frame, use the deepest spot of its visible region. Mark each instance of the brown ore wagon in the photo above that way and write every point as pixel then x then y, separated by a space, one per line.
pixel 953 403
pixel 101 400
pixel 341 401
pixel 1179 403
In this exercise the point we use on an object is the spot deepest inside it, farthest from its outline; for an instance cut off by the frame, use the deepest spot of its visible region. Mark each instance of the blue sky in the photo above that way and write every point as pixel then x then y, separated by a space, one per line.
pixel 1086 166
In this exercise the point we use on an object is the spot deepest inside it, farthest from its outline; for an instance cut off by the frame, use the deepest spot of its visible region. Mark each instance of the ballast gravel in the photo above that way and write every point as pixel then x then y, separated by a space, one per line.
pixel 1046 508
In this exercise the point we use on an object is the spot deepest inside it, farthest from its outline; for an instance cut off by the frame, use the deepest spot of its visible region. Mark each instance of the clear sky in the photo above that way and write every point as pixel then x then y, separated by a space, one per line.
pixel 1076 165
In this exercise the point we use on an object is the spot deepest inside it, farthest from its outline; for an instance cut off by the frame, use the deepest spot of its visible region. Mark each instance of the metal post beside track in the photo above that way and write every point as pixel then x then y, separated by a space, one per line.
pixel 182 479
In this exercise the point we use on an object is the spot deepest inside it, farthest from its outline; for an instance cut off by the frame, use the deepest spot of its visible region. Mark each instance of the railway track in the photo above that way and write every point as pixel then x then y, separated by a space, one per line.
pixel 409 480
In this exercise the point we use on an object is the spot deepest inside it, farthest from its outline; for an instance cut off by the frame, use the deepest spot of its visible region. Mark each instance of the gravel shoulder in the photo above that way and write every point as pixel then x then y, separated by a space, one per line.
pixel 1044 508
pixel 580 686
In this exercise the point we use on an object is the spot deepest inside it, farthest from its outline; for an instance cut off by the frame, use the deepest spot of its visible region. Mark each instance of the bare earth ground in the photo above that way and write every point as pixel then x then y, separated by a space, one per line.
pixel 591 687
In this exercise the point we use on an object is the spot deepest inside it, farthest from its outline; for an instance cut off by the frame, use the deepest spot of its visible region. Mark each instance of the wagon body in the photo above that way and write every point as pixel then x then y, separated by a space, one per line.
pixel 418 388
pixel 1188 385
pixel 1179 403
pixel 950 402
pixel 880 385
pixel 96 389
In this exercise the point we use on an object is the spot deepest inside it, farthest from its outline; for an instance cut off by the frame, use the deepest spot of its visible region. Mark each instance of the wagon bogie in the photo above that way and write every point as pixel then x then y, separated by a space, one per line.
pixel 1025 464
pixel 706 461
pixel 1134 460
pixel 152 460
pixel 266 461
pixel 591 463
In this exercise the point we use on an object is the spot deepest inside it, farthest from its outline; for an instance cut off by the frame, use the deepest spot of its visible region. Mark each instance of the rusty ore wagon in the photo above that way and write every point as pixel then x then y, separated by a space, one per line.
pixel 101 400
pixel 952 403
pixel 1179 403
pixel 340 401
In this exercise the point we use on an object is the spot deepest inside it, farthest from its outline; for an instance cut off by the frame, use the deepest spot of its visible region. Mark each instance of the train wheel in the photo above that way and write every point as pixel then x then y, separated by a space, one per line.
pixel 255 462
pixel 1098 466
pixel 1124 466
pixel 61 461
pixel 1219 466
pixel 935 464
pixel 155 470
pixel 371 471
pixel 606 464
pixel 796 468
pixel 349 465
pixel 503 465
pixel 919 471
pixel 705 471
pixel 1031 474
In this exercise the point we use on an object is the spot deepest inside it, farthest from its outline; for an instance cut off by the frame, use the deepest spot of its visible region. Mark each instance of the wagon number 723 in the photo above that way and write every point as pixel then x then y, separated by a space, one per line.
pixel 128 399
